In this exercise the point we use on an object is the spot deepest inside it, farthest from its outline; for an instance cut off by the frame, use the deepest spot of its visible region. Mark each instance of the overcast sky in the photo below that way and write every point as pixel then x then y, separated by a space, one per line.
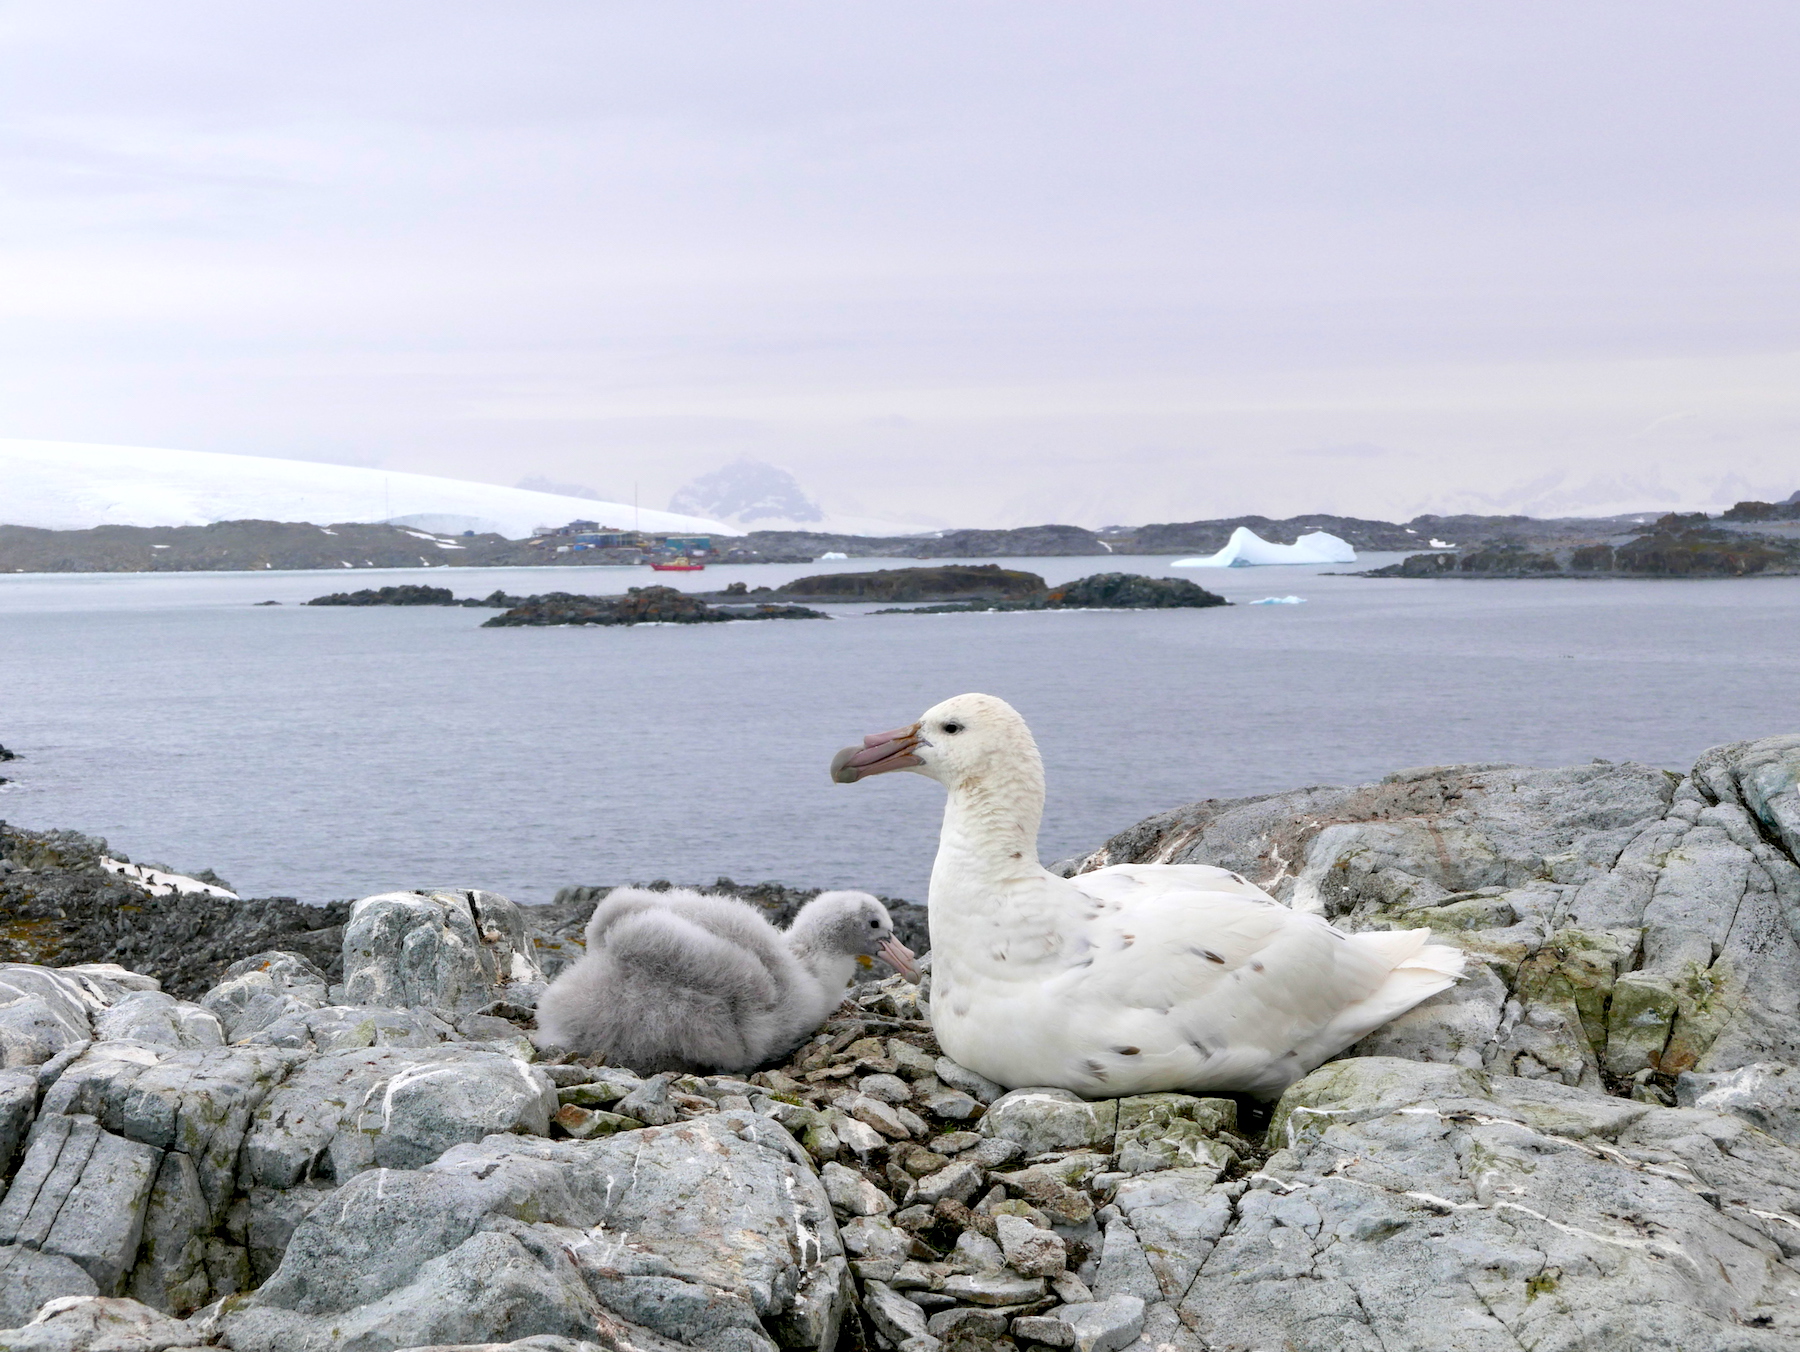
pixel 973 263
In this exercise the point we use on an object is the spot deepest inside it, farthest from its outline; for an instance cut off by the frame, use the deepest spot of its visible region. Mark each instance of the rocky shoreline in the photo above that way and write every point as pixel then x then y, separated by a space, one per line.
pixel 258 545
pixel 1592 1142
pixel 1673 547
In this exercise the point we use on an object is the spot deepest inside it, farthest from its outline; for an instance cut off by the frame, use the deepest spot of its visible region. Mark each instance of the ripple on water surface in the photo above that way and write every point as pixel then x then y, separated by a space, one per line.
pixel 329 752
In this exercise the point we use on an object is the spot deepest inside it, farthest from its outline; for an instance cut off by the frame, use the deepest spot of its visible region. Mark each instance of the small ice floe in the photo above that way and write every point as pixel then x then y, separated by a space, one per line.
pixel 1280 601
pixel 832 554
pixel 1436 543
pixel 159 884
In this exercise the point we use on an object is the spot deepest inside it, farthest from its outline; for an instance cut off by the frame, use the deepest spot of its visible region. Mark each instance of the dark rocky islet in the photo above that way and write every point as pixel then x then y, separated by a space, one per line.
pixel 411 594
pixel 950 582
pixel 1102 591
pixel 640 605
pixel 1741 543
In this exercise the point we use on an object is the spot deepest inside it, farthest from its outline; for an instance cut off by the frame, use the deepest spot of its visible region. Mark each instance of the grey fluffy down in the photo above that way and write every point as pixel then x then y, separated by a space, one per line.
pixel 680 981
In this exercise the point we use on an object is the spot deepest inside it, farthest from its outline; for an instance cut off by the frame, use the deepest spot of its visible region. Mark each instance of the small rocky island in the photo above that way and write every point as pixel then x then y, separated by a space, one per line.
pixel 971 587
pixel 640 605
pixel 1102 591
pixel 340 1137
pixel 958 588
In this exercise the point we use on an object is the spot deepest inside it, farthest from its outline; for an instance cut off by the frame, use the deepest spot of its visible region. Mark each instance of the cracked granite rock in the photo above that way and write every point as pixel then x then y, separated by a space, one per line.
pixel 1432 1206
pixel 450 952
pixel 710 1231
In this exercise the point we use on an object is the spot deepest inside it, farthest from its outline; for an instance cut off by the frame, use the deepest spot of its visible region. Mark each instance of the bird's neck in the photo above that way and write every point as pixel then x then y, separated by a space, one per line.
pixel 833 968
pixel 991 827
pixel 833 971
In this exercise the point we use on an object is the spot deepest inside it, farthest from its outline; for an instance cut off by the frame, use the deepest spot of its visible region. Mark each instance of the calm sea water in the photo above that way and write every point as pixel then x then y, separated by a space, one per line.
pixel 327 753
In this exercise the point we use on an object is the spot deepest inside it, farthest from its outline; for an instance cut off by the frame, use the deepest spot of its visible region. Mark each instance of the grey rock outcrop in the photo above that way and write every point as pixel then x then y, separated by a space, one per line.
pixel 81 1194
pixel 1765 1094
pixel 332 1028
pixel 42 1012
pixel 258 991
pixel 1424 1206
pixel 450 952
pixel 711 1231
pixel 151 1016
pixel 90 1323
pixel 184 1113
pixel 341 1112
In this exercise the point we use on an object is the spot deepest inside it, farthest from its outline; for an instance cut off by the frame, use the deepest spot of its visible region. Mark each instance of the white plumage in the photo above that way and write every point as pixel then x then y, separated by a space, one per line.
pixel 1130 979
pixel 679 980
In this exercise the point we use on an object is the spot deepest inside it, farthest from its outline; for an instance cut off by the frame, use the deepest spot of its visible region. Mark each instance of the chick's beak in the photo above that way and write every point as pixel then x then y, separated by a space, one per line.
pixel 898 956
pixel 879 753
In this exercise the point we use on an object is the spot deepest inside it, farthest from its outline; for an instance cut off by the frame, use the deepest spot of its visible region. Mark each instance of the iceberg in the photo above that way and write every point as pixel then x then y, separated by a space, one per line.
pixel 1280 601
pixel 1247 549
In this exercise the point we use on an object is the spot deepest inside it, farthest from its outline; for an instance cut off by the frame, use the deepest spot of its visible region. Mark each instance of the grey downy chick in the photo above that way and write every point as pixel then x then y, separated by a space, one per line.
pixel 681 981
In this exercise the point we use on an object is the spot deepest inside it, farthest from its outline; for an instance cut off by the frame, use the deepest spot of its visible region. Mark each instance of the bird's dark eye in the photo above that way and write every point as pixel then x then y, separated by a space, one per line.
pixel 953 728
pixel 874 924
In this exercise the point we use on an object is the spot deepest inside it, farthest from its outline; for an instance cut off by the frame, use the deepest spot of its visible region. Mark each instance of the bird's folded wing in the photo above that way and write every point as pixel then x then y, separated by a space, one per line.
pixel 1128 882
pixel 1229 958
pixel 667 950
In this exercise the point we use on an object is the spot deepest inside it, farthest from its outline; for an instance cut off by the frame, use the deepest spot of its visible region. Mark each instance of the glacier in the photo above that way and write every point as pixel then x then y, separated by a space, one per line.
pixel 1247 549
pixel 64 485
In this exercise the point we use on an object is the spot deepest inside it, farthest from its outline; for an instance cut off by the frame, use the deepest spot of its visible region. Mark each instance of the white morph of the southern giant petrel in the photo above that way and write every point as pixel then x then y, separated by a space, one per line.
pixel 1129 979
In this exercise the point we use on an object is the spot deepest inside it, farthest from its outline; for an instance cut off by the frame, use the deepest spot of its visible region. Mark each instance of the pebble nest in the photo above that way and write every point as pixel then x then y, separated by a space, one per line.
pixel 979 1240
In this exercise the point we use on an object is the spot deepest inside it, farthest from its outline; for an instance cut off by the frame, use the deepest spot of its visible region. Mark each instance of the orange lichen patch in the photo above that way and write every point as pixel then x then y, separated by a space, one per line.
pixel 37 941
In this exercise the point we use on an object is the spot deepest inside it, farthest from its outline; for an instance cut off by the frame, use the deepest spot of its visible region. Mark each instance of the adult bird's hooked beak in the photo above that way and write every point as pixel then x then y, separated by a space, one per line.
pixel 898 956
pixel 879 753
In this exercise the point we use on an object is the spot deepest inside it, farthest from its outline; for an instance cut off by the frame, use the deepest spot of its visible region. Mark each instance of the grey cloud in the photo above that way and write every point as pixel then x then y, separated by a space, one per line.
pixel 1041 248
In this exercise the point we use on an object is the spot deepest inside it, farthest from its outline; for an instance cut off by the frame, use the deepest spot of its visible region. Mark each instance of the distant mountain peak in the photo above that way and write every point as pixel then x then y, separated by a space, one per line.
pixel 746 491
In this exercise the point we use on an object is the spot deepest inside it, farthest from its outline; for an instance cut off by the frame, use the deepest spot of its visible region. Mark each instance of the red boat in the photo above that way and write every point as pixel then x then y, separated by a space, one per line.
pixel 679 566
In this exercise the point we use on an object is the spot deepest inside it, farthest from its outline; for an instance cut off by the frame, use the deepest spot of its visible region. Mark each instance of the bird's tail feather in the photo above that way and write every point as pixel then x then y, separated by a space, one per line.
pixel 1419 970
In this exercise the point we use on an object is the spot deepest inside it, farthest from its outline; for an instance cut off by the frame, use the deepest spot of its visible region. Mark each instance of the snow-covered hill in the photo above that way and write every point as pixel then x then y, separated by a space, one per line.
pixel 64 485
